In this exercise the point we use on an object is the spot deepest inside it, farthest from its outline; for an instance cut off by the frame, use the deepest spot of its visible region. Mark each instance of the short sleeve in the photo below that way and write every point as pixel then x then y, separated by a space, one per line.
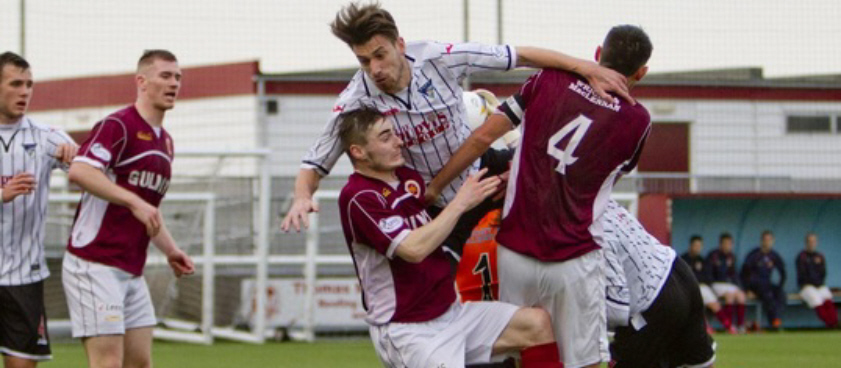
pixel 464 59
pixel 515 106
pixel 375 224
pixel 105 144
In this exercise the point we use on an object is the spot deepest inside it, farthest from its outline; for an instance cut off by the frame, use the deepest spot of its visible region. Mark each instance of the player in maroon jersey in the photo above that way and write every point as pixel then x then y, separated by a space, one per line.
pixel 575 145
pixel 124 170
pixel 407 286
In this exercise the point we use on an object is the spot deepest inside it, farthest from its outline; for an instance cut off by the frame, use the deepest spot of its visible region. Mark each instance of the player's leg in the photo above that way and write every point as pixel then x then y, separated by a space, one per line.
pixel 529 332
pixel 23 330
pixel 140 319
pixel 96 296
pixel 138 348
pixel 573 293
pixel 692 346
pixel 105 351
pixel 740 300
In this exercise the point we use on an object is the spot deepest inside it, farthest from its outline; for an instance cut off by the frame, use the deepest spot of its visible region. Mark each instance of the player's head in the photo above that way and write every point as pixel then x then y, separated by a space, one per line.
pixel 158 79
pixel 696 244
pixel 725 242
pixel 766 241
pixel 811 242
pixel 15 86
pixel 626 49
pixel 370 140
pixel 370 32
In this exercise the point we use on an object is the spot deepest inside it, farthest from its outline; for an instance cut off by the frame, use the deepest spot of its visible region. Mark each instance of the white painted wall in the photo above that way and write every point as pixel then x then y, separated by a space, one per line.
pixel 223 123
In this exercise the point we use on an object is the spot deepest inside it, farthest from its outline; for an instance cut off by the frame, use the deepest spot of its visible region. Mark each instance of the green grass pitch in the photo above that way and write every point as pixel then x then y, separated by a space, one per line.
pixel 768 350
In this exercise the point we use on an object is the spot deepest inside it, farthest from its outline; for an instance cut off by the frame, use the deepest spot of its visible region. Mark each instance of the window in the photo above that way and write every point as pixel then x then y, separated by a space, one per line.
pixel 272 107
pixel 810 124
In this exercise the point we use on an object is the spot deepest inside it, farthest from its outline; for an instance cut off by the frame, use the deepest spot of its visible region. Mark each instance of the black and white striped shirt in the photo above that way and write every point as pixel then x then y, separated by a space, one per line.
pixel 26 147
pixel 637 266
pixel 429 116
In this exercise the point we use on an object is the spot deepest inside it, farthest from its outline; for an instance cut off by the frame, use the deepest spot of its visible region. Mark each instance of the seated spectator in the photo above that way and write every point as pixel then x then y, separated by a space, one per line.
pixel 757 275
pixel 721 266
pixel 811 275
pixel 695 261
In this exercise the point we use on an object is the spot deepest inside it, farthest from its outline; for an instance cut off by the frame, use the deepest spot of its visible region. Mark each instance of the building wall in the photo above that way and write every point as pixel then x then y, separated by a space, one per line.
pixel 300 120
pixel 216 123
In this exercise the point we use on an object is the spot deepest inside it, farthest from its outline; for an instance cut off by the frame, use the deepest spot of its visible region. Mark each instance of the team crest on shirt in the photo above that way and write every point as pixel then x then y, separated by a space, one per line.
pixel 29 148
pixel 386 192
pixel 144 136
pixel 818 260
pixel 412 187
pixel 100 152
pixel 428 90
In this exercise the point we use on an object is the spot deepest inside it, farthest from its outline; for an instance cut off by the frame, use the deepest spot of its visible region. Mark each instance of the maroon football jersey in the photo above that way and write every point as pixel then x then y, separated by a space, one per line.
pixel 376 218
pixel 136 157
pixel 574 147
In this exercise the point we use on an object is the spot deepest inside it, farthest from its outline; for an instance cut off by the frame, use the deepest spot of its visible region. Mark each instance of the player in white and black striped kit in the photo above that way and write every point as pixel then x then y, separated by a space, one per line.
pixel 29 153
pixel 417 84
pixel 653 300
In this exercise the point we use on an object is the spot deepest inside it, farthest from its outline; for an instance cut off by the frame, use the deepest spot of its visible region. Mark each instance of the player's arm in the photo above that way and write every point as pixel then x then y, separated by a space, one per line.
pixel 424 240
pixel 317 163
pixel 63 149
pixel 603 80
pixel 617 296
pixel 476 144
pixel 179 261
pixel 94 181
pixel 801 267
pixel 778 263
pixel 305 185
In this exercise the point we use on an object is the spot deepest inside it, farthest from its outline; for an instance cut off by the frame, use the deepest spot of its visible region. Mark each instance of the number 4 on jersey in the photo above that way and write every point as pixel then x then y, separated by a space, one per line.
pixel 577 128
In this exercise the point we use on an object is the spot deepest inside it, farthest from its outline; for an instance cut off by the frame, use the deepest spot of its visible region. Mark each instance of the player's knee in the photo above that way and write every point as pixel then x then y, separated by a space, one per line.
pixel 138 362
pixel 539 330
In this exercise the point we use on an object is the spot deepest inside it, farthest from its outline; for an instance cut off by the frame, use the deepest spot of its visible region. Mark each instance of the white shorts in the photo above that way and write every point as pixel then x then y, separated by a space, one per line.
pixel 465 334
pixel 707 294
pixel 815 296
pixel 573 292
pixel 721 288
pixel 104 300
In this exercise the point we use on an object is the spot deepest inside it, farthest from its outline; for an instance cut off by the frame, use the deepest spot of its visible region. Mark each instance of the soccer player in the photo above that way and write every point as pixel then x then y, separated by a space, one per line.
pixel 124 170
pixel 406 281
pixel 574 147
pixel 417 83
pixel 695 260
pixel 653 301
pixel 29 154
pixel 758 273
pixel 811 275
pixel 721 264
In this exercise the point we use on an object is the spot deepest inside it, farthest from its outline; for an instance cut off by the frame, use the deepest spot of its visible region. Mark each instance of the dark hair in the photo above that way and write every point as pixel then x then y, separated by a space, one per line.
pixel 356 124
pixel 766 232
pixel 357 24
pixel 10 58
pixel 723 236
pixel 695 238
pixel 149 57
pixel 626 48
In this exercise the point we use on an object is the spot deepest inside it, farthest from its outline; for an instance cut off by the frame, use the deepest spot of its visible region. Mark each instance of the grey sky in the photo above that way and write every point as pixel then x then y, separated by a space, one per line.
pixel 68 38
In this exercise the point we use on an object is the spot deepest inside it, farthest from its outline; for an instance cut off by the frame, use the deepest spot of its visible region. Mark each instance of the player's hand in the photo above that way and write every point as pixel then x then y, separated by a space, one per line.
pixel 299 214
pixel 503 185
pixel 431 195
pixel 148 215
pixel 21 184
pixel 474 190
pixel 66 152
pixel 604 80
pixel 180 263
